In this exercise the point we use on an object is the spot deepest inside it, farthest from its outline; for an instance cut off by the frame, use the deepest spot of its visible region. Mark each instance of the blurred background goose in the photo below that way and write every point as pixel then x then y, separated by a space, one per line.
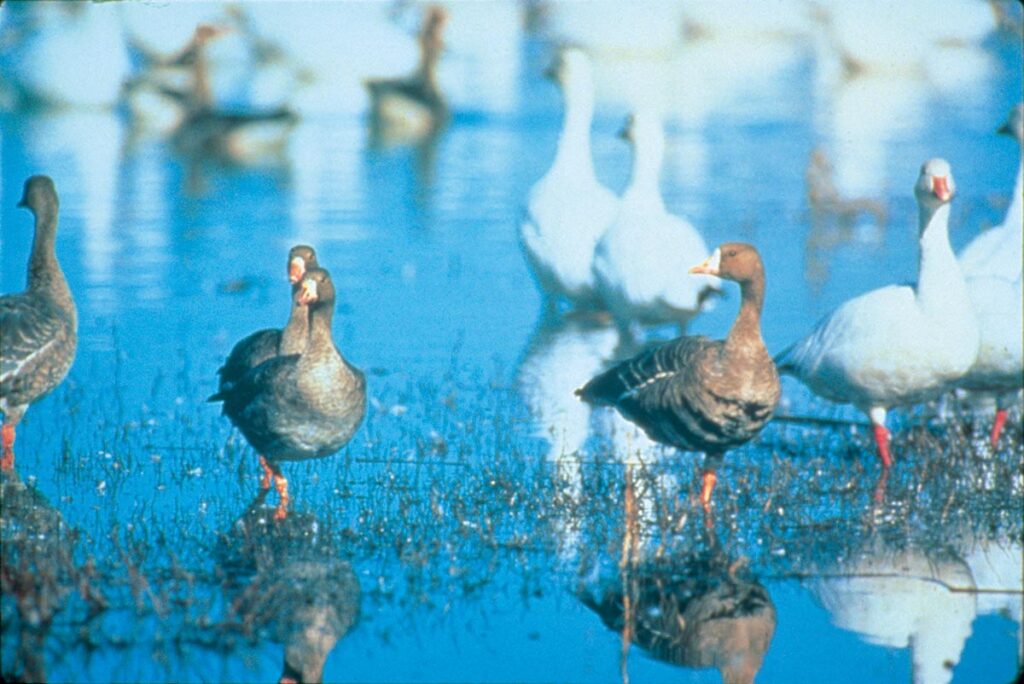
pixel 900 344
pixel 38 327
pixel 412 107
pixel 568 210
pixel 639 259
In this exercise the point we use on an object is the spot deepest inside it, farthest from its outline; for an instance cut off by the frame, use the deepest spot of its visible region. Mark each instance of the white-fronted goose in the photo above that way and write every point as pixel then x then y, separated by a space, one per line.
pixel 899 344
pixel 638 260
pixel 413 106
pixel 300 406
pixel 265 344
pixel 38 327
pixel 698 394
pixel 568 210
pixel 991 264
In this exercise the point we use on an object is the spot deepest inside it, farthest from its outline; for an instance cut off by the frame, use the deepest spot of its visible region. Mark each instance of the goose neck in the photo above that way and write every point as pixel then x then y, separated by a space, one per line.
pixel 574 140
pixel 44 271
pixel 320 338
pixel 746 329
pixel 1015 212
pixel 647 158
pixel 940 283
pixel 295 336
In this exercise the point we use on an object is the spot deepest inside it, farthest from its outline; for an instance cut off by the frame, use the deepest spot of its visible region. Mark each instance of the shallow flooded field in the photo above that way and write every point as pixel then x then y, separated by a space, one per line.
pixel 483 524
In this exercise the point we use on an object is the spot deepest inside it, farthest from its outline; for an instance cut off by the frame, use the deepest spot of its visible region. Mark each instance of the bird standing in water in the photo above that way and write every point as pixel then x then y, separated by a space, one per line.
pixel 699 394
pixel 38 327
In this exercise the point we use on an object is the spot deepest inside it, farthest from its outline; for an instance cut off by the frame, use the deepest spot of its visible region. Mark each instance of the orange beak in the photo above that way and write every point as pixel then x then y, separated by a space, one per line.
pixel 296 269
pixel 308 292
pixel 710 265
pixel 940 187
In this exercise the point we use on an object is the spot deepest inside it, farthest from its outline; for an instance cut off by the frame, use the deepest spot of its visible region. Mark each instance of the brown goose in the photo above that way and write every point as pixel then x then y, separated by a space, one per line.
pixel 698 394
pixel 265 344
pixel 300 406
pixel 412 106
pixel 38 327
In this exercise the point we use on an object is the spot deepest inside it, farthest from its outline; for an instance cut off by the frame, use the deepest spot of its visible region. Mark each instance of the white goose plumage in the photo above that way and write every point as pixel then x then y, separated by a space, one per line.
pixel 639 260
pixel 900 344
pixel 568 209
pixel 991 264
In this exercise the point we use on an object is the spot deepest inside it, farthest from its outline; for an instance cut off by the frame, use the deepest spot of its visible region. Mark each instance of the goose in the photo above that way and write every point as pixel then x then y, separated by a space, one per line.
pixel 997 251
pixel 568 210
pixel 287 579
pixel 261 345
pixel 413 106
pixel 699 613
pixel 38 327
pixel 698 394
pixel 899 344
pixel 638 259
pixel 991 264
pixel 300 406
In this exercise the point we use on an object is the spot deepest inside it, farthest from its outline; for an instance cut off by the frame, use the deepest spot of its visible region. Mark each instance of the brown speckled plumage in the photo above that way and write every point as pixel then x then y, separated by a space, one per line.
pixel 301 406
pixel 38 327
pixel 695 393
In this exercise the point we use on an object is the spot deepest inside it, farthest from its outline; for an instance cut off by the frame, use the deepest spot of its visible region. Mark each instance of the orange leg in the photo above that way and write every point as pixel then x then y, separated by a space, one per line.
pixel 708 480
pixel 883 480
pixel 882 440
pixel 997 426
pixel 7 459
pixel 268 473
pixel 281 484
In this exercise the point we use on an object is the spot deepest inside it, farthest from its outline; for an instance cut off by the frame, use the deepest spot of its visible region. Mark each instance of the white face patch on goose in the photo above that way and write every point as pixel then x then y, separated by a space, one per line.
pixel 709 266
pixel 296 269
pixel 309 293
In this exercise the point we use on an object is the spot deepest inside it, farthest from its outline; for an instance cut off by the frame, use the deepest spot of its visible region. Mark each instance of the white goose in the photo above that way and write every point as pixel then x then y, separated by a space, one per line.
pixel 991 264
pixel 899 344
pixel 642 259
pixel 568 209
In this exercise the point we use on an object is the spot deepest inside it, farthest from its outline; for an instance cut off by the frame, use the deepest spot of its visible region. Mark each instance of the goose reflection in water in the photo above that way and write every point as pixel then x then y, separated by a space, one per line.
pixel 698 608
pixel 38 575
pixel 912 598
pixel 288 583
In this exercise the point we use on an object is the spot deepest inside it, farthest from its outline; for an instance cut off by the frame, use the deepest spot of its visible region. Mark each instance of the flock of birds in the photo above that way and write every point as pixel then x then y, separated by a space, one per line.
pixel 294 396
pixel 957 327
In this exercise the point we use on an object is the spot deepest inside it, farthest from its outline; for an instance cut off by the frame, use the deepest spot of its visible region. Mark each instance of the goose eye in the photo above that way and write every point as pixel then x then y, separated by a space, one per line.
pixel 731 252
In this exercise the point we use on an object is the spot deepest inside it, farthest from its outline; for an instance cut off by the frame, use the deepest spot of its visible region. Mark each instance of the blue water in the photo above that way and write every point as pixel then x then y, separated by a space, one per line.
pixel 471 541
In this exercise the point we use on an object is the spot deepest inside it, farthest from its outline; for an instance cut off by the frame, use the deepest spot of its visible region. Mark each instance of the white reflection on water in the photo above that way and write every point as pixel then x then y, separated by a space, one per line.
pixel 905 600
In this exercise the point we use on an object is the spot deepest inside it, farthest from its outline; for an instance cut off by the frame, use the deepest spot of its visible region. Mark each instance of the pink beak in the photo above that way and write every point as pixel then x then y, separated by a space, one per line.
pixel 940 186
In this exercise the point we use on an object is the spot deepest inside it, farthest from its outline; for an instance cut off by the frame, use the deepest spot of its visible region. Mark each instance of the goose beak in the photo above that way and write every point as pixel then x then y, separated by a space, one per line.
pixel 940 188
pixel 710 265
pixel 296 269
pixel 308 294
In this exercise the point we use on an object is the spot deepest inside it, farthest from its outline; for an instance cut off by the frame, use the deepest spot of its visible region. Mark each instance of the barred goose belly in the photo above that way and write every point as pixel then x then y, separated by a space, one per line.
pixel 897 345
pixel 38 327
pixel 699 394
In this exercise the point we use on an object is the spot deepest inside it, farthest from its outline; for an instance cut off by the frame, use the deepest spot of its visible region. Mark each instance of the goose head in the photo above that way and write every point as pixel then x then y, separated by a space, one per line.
pixel 571 67
pixel 300 258
pixel 736 261
pixel 1014 126
pixel 316 289
pixel 40 193
pixel 935 185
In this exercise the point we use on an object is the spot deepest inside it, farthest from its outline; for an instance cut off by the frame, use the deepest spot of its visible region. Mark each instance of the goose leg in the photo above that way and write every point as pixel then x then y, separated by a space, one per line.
pixel 268 473
pixel 882 436
pixel 7 460
pixel 997 426
pixel 281 485
pixel 707 484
